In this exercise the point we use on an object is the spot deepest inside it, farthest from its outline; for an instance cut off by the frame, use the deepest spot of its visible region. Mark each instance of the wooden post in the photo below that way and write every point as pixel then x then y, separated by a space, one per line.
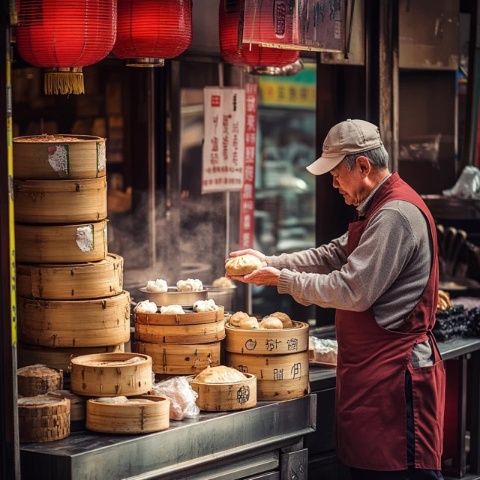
pixel 9 439
pixel 381 71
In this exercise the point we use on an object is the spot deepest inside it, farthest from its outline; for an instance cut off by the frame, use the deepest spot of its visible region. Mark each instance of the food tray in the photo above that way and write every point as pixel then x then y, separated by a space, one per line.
pixel 111 374
pixel 175 359
pixel 174 297
pixel 181 334
pixel 127 417
pixel 187 318
pixel 267 342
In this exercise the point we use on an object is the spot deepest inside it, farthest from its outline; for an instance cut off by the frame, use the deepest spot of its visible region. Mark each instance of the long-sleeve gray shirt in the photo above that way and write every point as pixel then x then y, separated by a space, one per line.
pixel 388 270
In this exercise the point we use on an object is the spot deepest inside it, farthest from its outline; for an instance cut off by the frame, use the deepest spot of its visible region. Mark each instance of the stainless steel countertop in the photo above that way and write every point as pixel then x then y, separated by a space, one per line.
pixel 212 437
pixel 449 349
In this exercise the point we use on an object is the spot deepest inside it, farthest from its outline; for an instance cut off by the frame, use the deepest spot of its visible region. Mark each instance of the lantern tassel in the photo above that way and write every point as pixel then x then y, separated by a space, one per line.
pixel 64 82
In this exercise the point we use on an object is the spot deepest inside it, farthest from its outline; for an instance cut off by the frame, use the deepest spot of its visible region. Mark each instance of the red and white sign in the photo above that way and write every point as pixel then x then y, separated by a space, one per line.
pixel 247 196
pixel 224 142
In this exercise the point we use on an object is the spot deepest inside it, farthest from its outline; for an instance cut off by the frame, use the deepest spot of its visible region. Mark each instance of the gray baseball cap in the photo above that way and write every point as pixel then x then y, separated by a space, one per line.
pixel 344 138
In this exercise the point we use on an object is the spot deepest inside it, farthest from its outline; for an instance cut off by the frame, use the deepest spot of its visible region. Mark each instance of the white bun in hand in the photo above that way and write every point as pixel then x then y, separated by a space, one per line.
pixel 242 265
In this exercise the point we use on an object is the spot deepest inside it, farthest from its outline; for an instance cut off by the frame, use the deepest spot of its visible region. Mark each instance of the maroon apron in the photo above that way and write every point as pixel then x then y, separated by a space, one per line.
pixel 372 364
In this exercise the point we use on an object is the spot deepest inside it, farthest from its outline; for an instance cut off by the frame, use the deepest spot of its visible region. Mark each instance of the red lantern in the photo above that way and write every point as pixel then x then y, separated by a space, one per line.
pixel 251 55
pixel 148 31
pixel 64 36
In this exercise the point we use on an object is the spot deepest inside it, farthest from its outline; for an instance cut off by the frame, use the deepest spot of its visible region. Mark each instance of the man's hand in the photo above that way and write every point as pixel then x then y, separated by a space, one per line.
pixel 262 276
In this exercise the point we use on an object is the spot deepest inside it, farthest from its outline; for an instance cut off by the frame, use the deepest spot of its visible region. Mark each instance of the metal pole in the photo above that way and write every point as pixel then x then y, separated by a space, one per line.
pixel 152 236
pixel 9 439
pixel 221 83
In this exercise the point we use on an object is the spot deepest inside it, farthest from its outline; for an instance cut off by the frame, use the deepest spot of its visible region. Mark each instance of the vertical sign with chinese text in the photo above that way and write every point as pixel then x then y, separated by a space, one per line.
pixel 247 196
pixel 224 143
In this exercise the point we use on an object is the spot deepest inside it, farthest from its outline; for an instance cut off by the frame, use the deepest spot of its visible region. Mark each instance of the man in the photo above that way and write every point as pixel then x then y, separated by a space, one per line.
pixel 382 278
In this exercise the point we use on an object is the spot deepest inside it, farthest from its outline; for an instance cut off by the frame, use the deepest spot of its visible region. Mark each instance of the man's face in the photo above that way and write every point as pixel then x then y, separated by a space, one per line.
pixel 350 183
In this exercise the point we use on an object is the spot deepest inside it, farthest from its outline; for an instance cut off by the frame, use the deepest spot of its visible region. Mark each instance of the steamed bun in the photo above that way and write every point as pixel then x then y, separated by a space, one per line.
pixel 242 265
pixel 283 317
pixel 271 323
pixel 220 374
pixel 236 317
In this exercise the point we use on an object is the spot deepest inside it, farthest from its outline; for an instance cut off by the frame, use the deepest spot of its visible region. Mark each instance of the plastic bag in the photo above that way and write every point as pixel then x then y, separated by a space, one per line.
pixel 468 184
pixel 182 397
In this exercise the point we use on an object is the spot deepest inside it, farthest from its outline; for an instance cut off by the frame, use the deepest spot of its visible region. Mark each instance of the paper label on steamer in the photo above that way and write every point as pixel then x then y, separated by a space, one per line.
pixel 101 157
pixel 58 158
pixel 85 238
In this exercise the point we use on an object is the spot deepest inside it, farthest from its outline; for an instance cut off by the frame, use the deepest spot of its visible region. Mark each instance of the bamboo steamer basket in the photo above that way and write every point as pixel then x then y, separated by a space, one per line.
pixel 43 418
pixel 283 390
pixel 75 323
pixel 38 380
pixel 217 397
pixel 279 377
pixel 129 417
pixel 77 243
pixel 60 201
pixel 181 334
pixel 58 358
pixel 173 297
pixel 111 374
pixel 267 342
pixel 188 318
pixel 175 359
pixel 59 156
pixel 77 405
pixel 71 282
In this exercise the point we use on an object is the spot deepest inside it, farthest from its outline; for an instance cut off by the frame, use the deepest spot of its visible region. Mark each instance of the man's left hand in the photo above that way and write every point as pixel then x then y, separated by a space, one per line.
pixel 262 276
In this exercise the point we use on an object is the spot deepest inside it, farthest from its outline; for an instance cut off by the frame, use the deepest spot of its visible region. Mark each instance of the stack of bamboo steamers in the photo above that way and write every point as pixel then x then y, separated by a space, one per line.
pixel 69 288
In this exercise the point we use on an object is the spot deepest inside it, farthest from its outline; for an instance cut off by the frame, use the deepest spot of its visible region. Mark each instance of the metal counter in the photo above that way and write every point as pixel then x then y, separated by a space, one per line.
pixel 186 450
pixel 455 347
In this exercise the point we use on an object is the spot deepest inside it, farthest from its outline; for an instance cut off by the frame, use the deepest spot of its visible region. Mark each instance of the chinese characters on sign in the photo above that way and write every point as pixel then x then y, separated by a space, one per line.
pixel 224 144
pixel 247 197
pixel 317 25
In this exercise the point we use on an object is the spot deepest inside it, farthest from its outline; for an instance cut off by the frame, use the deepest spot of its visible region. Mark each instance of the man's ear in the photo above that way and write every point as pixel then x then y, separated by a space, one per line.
pixel 364 165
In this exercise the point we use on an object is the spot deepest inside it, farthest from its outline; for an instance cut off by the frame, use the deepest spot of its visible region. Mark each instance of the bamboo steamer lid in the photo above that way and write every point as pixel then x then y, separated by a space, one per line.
pixel 75 323
pixel 71 282
pixel 111 374
pixel 271 367
pixel 176 359
pixel 217 397
pixel 77 243
pixel 267 342
pixel 77 404
pixel 60 201
pixel 59 156
pixel 58 357
pixel 181 334
pixel 38 380
pixel 130 417
pixel 188 318
pixel 43 418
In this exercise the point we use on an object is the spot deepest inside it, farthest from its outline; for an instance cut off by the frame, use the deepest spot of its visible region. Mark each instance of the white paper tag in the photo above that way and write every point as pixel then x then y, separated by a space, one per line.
pixel 58 158
pixel 85 239
pixel 337 30
pixel 101 156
